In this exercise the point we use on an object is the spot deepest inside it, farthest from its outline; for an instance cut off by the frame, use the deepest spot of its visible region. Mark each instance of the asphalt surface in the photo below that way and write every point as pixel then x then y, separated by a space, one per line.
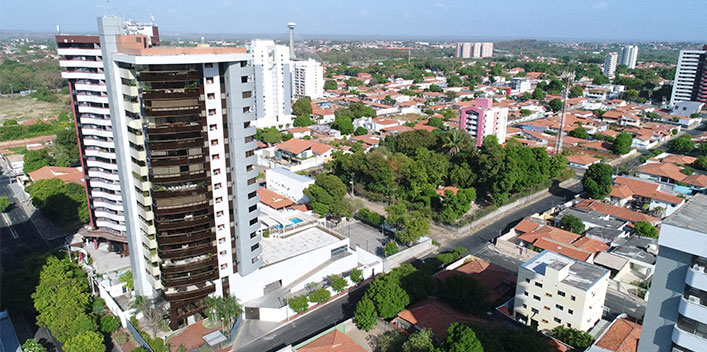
pixel 17 232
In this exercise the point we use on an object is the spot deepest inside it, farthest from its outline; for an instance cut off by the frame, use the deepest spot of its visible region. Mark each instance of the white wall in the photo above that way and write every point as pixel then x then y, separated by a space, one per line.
pixel 288 184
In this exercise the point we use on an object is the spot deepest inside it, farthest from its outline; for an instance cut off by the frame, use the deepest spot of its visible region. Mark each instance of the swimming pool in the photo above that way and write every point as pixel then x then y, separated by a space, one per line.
pixel 296 220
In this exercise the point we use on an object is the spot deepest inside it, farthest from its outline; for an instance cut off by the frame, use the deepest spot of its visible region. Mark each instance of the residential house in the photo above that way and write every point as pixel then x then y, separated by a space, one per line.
pixel 627 189
pixel 288 183
pixel 621 336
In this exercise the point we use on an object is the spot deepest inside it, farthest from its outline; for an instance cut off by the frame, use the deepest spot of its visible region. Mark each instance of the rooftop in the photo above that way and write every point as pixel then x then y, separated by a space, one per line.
pixel 616 211
pixel 636 248
pixel 581 275
pixel 290 174
pixel 335 341
pixel 691 215
pixel 622 336
pixel 278 249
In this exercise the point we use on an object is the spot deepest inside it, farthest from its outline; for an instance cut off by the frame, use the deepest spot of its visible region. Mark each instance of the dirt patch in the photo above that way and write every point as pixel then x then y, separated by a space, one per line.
pixel 28 108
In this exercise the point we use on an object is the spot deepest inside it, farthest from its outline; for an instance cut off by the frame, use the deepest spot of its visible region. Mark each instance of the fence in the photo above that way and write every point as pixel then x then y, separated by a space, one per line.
pixel 138 337
pixel 231 335
pixel 396 259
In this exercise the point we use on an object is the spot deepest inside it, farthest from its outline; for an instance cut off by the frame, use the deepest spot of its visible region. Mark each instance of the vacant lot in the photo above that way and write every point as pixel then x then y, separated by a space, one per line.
pixel 28 108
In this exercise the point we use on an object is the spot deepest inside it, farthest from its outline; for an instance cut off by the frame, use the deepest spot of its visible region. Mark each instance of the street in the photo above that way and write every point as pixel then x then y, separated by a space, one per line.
pixel 17 230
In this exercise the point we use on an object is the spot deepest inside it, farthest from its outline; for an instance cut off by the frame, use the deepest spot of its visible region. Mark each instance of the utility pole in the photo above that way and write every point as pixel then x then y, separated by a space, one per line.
pixel 569 79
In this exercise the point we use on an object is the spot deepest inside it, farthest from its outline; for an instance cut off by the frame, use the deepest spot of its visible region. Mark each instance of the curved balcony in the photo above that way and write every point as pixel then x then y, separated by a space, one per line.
pixel 168 76
pixel 189 294
pixel 113 206
pixel 177 191
pixel 697 277
pixel 101 164
pixel 100 153
pixel 177 144
pixel 178 127
pixel 87 131
pixel 103 174
pixel 193 265
pixel 109 215
pixel 185 238
pixel 170 94
pixel 183 177
pixel 693 310
pixel 163 225
pixel 688 340
pixel 172 161
pixel 111 225
pixel 94 110
pixel 90 87
pixel 186 210
pixel 190 279
pixel 183 111
pixel 186 251
pixel 98 143
pixel 92 98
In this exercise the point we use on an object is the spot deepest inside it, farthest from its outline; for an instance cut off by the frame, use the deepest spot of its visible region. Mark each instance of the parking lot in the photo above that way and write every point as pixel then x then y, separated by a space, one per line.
pixel 364 236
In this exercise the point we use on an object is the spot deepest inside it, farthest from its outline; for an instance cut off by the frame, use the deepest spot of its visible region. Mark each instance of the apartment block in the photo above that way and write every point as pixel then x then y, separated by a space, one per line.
pixel 676 313
pixel 81 61
pixel 184 141
pixel 475 50
pixel 629 55
pixel 307 79
pixel 553 290
pixel 288 183
pixel 483 119
pixel 610 63
pixel 273 84
pixel 690 82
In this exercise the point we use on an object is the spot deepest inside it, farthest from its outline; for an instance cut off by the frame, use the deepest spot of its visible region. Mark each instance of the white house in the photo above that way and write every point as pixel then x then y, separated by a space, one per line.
pixel 288 183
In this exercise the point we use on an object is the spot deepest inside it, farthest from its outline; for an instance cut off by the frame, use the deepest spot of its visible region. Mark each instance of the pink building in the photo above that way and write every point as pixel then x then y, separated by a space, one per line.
pixel 483 119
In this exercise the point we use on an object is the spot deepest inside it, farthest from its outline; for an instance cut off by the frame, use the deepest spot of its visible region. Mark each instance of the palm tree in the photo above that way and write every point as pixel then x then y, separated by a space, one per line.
pixel 455 141
pixel 223 309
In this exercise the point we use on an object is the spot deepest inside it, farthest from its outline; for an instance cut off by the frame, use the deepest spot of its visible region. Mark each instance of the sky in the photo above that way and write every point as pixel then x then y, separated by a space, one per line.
pixel 604 20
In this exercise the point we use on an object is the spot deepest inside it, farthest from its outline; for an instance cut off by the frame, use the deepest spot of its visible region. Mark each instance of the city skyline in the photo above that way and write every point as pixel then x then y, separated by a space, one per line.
pixel 600 20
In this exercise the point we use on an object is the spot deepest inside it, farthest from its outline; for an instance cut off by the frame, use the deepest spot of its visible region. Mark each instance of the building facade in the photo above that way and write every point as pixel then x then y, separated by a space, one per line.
pixel 554 290
pixel 81 61
pixel 629 56
pixel 288 183
pixel 483 119
pixel 676 314
pixel 273 84
pixel 610 64
pixel 690 82
pixel 184 142
pixel 307 79
pixel 475 50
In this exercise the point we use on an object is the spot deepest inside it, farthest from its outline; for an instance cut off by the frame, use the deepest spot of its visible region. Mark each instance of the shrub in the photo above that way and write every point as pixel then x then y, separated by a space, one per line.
pixel 459 251
pixel 390 248
pixel 645 229
pixel 356 275
pixel 445 258
pixel 365 315
pixel 120 337
pixel 576 338
pixel 319 296
pixel 109 323
pixel 298 304
pixel 337 282
pixel 370 217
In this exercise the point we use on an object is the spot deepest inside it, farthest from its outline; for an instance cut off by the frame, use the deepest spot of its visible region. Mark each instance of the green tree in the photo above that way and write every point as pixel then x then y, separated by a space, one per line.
pixel 31 345
pixel 4 203
pixel 435 122
pixel 319 296
pixel 365 316
pixel 109 323
pixel 538 94
pixel 360 131
pixel 388 297
pixel 465 293
pixel 409 225
pixel 303 106
pixel 390 248
pixel 702 149
pixel 460 338
pixel 326 195
pixel 302 121
pixel 67 146
pixel 576 338
pixel 579 132
pixel 572 223
pixel 59 201
pixel 337 282
pixel 127 279
pixel 576 91
pixel 224 309
pixel 89 341
pixel 343 124
pixel 435 88
pixel 622 143
pixel 700 163
pixel 330 84
pixel 269 135
pixel 36 159
pixel 356 275
pixel 298 304
pixel 680 145
pixel 645 229
pixel 419 341
pixel 555 105
pixel 598 181
pixel 558 164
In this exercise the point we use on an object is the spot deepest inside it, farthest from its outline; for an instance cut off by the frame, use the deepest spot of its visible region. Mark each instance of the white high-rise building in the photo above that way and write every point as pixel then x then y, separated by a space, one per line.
pixel 690 82
pixel 273 84
pixel 475 50
pixel 629 55
pixel 610 64
pixel 307 79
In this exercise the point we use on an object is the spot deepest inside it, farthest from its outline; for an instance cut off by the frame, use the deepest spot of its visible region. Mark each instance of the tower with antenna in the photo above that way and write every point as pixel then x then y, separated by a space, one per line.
pixel 291 26
pixel 569 79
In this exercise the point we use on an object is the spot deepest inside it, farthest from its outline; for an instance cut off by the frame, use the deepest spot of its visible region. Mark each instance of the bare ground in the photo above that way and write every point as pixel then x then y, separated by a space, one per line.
pixel 28 108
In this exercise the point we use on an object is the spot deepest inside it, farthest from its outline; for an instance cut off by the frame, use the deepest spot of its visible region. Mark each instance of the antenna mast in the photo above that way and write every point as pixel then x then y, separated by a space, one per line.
pixel 569 79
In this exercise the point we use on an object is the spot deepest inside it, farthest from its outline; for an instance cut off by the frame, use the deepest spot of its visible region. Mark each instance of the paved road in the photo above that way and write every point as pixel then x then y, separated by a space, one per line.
pixel 308 325
pixel 16 229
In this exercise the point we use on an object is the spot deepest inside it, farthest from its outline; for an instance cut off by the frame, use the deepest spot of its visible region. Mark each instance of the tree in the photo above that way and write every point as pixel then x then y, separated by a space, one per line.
pixel 572 223
pixel 409 225
pixel 343 123
pixel 390 248
pixel 576 338
pixel 31 345
pixel 555 105
pixel 89 341
pixel 558 164
pixel 4 203
pixel 598 181
pixel 365 316
pixel 700 163
pixel 579 132
pixel 337 282
pixel 622 143
pixel 326 195
pixel 356 275
pixel 390 341
pixel 435 122
pixel 702 149
pixel 388 297
pixel 460 338
pixel 319 296
pixel 360 131
pixel 419 341
pixel 465 293
pixel 576 91
pixel 59 201
pixel 269 135
pixel 538 94
pixel 224 309
pixel 681 145
pixel 36 159
pixel 109 323
pixel 67 146
pixel 127 279
pixel 298 304
pixel 330 84
pixel 645 229
pixel 302 121
pixel 435 88
pixel 303 106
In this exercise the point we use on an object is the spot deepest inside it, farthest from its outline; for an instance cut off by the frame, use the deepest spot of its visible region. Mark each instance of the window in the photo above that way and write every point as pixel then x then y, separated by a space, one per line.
pixel 249 153
pixel 538 284
pixel 252 208
pixel 254 260
pixel 547 294
pixel 244 64
pixel 217 171
pixel 559 307
pixel 249 168
pixel 246 94
pixel 573 298
pixel 244 79
pixel 570 311
pixel 535 311
pixel 222 240
pixel 217 186
pixel 220 227
pixel 222 253
pixel 525 306
pixel 525 293
pixel 219 200
pixel 215 157
pixel 545 321
pixel 209 64
pixel 219 214
pixel 254 247
pixel 253 221
pixel 211 96
pixel 253 234
pixel 251 181
pixel 246 109
pixel 527 280
pixel 212 112
pixel 214 142
pixel 209 80
pixel 537 298
pixel 569 325
pixel 252 195
pixel 546 308
pixel 224 266
pixel 213 127
pixel 560 293
pixel 557 320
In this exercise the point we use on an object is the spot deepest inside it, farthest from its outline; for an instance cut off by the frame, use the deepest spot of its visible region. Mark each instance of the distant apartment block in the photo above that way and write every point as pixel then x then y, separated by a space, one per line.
pixel 553 290
pixel 307 79
pixel 676 314
pixel 629 55
pixel 520 85
pixel 483 119
pixel 690 82
pixel 610 63
pixel 273 84
pixel 475 50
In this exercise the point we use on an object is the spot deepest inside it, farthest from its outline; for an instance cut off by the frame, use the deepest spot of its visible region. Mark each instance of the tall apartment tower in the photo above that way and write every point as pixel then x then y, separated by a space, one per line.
pixel 610 64
pixel 690 82
pixel 676 314
pixel 629 55
pixel 273 88
pixel 81 61
pixel 483 119
pixel 184 139
pixel 307 79
pixel 474 50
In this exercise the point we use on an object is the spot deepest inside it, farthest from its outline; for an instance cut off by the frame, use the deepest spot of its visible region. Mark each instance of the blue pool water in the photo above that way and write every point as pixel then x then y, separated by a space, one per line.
pixel 296 220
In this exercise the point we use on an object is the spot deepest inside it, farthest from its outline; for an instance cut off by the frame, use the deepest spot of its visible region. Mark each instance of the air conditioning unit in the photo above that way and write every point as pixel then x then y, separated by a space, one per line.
pixel 694 299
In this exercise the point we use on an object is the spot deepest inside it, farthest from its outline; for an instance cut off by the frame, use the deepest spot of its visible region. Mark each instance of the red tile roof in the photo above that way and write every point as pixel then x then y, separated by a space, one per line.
pixel 549 232
pixel 434 315
pixel 526 225
pixel 668 170
pixel 442 191
pixel 581 159
pixel 622 336
pixel 625 187
pixel 590 245
pixel 273 200
pixel 66 174
pixel 335 341
pixel 296 146
pixel 491 276
pixel 615 211
pixel 567 250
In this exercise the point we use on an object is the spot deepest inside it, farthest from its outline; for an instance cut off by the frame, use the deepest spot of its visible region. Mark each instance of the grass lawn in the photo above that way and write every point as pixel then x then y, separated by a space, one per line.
pixel 28 108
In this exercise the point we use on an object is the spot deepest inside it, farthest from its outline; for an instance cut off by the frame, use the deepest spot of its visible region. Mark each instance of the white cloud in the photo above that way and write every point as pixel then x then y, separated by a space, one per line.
pixel 601 5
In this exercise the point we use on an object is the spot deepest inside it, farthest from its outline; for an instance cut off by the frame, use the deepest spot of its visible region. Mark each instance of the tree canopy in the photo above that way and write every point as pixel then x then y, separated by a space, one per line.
pixel 645 229
pixel 303 106
pixel 681 145
pixel 572 223
pixel 326 195
pixel 61 202
pixel 622 143
pixel 598 181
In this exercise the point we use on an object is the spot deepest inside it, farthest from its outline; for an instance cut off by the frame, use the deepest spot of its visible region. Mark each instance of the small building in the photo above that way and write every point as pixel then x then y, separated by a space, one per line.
pixel 643 192
pixel 17 163
pixel 288 183
pixel 66 174
pixel 554 290
pixel 430 314
pixel 581 161
pixel 621 336
pixel 334 341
